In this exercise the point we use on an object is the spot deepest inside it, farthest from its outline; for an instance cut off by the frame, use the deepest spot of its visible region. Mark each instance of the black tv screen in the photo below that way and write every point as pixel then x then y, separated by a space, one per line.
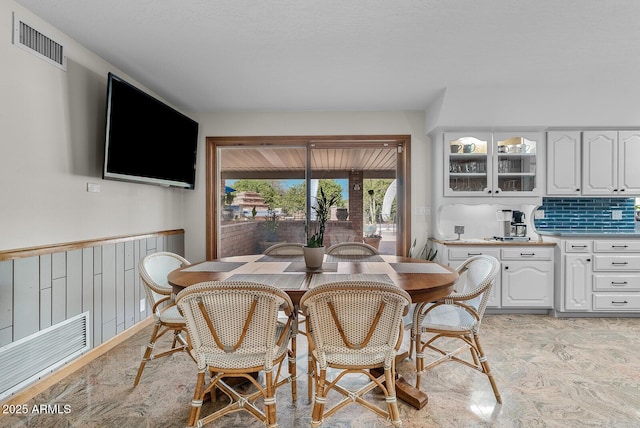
pixel 146 140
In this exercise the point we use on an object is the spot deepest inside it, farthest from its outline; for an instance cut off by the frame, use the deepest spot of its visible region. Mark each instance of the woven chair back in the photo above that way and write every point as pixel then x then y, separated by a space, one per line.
pixel 477 276
pixel 285 249
pixel 357 322
pixel 352 249
pixel 234 324
pixel 154 270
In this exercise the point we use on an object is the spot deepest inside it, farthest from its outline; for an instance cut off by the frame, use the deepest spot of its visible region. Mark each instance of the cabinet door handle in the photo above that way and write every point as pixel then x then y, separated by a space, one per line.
pixel 588 260
pixel 619 282
pixel 497 191
pixel 578 246
pixel 622 190
pixel 619 246
pixel 506 268
pixel 577 190
pixel 619 263
pixel 616 302
pixel 473 254
pixel 527 254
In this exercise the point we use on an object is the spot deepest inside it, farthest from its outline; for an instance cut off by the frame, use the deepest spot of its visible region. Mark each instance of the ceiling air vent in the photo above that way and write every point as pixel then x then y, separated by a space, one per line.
pixel 32 40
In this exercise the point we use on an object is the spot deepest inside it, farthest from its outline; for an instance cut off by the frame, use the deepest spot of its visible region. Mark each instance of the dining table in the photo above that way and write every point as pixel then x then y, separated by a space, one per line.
pixel 424 280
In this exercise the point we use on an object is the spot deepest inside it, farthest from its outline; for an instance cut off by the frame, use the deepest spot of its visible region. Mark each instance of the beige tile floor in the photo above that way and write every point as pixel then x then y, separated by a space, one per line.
pixel 551 373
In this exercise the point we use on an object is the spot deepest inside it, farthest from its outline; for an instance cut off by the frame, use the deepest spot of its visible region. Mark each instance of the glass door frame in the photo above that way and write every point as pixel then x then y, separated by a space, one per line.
pixel 403 172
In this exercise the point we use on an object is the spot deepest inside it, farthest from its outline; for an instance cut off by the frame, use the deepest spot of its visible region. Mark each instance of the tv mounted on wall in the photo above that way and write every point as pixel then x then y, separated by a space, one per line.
pixel 146 140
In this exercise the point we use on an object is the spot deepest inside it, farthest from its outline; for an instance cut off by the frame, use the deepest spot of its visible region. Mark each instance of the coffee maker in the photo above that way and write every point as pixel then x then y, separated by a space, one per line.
pixel 511 226
pixel 518 228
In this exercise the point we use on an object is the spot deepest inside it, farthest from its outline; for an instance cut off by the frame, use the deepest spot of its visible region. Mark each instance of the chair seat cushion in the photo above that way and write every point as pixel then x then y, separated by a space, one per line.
pixel 172 315
pixel 449 317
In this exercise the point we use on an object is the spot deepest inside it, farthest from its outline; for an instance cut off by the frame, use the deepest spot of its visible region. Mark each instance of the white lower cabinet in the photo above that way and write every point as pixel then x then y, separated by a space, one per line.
pixel 526 278
pixel 601 276
pixel 577 282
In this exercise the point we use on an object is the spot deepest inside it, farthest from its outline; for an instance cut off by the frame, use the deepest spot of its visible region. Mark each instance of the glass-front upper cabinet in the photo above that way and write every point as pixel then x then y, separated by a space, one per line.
pixel 469 161
pixel 516 159
pixel 492 164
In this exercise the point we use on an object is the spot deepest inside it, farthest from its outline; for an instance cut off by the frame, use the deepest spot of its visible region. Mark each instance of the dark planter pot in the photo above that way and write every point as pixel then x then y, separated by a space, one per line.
pixel 342 214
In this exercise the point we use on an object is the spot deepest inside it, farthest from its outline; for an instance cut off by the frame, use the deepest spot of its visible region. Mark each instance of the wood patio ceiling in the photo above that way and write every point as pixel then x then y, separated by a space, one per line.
pixel 289 162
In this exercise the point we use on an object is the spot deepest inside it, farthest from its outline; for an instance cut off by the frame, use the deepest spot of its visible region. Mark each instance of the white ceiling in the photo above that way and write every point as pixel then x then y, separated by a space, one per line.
pixel 328 55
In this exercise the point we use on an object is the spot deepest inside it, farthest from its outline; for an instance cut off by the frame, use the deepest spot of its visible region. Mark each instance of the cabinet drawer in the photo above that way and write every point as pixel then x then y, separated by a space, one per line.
pixel 577 246
pixel 616 302
pixel 527 253
pixel 630 246
pixel 616 263
pixel 466 252
pixel 605 282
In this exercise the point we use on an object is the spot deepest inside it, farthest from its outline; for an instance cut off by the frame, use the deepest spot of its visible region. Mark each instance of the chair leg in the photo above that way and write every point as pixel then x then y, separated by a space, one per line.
pixel 270 401
pixel 196 403
pixel 487 369
pixel 293 369
pixel 411 346
pixel 147 353
pixel 320 399
pixel 392 402
pixel 310 376
pixel 419 358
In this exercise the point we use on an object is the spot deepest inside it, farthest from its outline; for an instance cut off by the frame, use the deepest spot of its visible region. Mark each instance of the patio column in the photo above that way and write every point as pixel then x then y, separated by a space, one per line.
pixel 355 202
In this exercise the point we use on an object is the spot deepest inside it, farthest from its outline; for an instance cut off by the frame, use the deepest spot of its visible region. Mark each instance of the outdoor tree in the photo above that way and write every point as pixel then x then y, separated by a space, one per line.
pixel 293 201
pixel 331 188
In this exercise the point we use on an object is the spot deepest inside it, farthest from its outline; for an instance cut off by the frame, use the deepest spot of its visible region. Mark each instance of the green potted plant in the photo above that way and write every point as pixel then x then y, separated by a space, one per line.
pixel 314 250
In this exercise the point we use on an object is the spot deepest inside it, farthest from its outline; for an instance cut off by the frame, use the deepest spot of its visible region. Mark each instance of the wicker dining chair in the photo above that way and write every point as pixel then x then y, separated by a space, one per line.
pixel 457 316
pixel 154 269
pixel 355 327
pixel 352 249
pixel 234 332
pixel 284 249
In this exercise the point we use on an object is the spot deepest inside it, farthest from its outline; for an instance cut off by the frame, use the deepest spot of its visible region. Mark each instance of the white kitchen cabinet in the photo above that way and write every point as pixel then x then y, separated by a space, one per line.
pixel 468 159
pixel 577 287
pixel 492 164
pixel 628 156
pixel 601 275
pixel 564 168
pixel 527 277
pixel 577 282
pixel 609 163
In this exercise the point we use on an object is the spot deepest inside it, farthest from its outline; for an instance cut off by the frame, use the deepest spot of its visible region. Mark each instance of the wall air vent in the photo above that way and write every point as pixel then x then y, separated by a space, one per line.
pixel 28 359
pixel 33 41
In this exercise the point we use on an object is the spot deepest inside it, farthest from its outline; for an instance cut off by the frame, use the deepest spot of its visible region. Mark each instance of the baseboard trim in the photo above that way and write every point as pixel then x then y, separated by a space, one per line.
pixel 26 394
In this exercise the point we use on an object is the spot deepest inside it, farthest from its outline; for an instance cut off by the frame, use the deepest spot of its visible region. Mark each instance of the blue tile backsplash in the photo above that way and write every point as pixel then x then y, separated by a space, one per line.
pixel 586 214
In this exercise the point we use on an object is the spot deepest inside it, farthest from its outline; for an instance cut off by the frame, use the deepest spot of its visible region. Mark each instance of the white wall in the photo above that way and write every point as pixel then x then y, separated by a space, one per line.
pixel 535 108
pixel 310 123
pixel 51 137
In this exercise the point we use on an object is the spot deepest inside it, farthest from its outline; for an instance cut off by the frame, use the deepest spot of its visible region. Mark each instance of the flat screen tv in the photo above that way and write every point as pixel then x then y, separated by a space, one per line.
pixel 146 140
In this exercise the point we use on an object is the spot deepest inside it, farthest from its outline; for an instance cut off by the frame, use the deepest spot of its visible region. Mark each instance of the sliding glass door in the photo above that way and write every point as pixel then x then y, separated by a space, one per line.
pixel 260 191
